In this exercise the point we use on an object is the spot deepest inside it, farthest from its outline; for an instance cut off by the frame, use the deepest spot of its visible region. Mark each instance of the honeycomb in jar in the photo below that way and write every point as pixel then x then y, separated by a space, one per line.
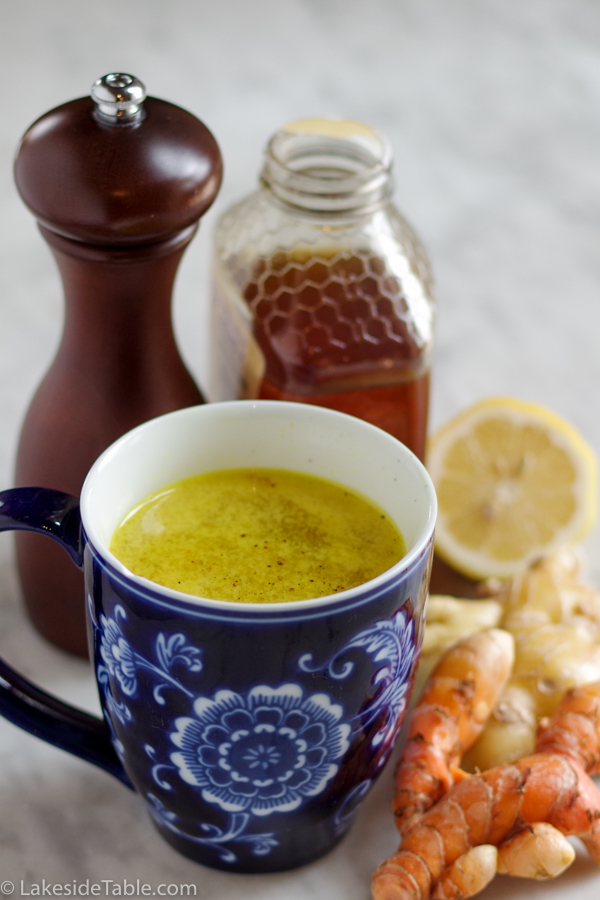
pixel 331 309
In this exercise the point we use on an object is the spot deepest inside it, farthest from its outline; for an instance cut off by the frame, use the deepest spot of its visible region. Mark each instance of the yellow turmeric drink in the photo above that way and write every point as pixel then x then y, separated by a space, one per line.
pixel 257 536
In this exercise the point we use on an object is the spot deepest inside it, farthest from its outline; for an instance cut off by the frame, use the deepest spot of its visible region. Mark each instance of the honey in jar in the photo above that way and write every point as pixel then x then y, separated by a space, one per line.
pixel 322 291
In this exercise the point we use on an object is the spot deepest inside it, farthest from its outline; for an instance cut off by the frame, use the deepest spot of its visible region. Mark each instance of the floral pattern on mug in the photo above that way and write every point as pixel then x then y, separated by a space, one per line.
pixel 264 751
pixel 392 643
pixel 118 656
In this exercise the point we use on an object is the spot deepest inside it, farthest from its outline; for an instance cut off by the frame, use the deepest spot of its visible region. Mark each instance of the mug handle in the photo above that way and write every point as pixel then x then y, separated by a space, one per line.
pixel 21 702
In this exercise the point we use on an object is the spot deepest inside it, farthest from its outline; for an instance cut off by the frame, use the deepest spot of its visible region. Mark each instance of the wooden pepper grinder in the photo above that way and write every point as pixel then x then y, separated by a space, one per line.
pixel 118 182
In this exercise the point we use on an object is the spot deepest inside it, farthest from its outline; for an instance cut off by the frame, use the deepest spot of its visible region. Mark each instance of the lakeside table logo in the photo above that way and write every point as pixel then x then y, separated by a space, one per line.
pixel 105 887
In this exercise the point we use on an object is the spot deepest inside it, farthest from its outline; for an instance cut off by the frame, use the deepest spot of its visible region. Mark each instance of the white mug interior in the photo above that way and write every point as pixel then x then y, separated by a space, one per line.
pixel 258 434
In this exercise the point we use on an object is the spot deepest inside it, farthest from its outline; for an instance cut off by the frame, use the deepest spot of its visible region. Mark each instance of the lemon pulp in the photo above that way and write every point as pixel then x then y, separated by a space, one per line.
pixel 514 482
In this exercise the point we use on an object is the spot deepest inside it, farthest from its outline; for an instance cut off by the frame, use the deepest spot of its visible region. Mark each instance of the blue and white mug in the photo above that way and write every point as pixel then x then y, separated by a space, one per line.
pixel 251 731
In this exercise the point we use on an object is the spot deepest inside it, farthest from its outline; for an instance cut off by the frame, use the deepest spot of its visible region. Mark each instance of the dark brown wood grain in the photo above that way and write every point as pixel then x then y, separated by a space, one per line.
pixel 118 205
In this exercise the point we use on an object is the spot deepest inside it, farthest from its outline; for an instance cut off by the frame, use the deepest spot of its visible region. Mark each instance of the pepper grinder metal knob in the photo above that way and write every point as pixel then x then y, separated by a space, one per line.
pixel 118 96
pixel 118 182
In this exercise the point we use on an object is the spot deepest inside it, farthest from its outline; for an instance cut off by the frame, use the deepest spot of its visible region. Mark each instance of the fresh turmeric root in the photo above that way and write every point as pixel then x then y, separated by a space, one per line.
pixel 551 786
pixel 468 875
pixel 574 729
pixel 488 809
pixel 538 852
pixel 449 716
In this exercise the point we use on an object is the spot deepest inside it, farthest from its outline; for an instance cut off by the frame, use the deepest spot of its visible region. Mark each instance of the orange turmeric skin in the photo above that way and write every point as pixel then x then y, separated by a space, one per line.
pixel 451 713
pixel 574 729
pixel 550 786
pixel 488 809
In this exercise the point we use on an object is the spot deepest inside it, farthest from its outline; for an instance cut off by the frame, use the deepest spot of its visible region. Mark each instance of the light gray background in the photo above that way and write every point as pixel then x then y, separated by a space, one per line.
pixel 493 111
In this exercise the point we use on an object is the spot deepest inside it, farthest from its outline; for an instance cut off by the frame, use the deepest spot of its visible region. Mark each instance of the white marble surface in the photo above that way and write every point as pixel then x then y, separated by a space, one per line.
pixel 493 111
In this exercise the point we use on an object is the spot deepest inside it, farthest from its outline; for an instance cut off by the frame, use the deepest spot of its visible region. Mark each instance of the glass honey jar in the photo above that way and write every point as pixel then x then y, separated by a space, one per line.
pixel 322 293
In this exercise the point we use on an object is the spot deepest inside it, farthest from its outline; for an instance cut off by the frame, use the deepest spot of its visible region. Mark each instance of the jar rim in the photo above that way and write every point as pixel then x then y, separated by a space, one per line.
pixel 329 165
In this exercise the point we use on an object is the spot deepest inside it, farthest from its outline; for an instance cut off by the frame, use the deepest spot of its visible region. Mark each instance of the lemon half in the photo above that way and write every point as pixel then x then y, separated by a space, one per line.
pixel 514 482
